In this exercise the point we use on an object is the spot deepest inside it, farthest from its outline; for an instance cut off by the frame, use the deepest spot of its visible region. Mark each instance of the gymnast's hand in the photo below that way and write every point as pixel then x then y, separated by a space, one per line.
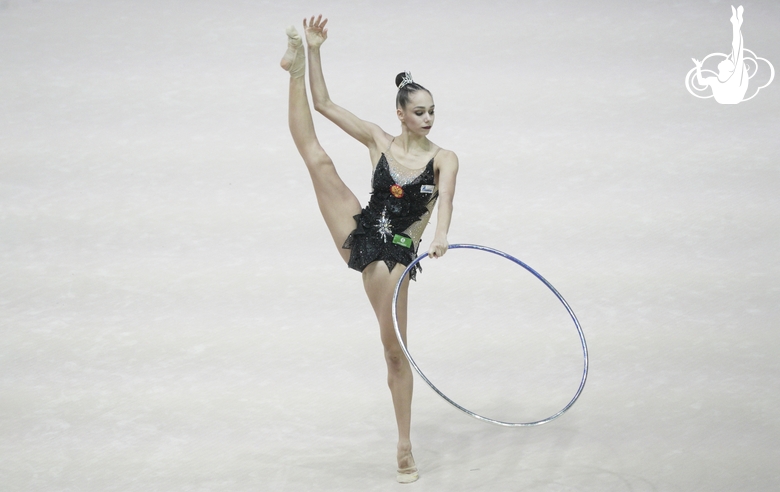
pixel 438 248
pixel 316 33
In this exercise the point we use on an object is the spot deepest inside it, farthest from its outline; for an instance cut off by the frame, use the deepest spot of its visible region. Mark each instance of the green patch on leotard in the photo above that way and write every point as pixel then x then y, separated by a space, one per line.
pixel 404 241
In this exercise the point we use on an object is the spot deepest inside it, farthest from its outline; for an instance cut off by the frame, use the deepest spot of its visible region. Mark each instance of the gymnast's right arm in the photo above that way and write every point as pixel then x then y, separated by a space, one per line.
pixel 365 132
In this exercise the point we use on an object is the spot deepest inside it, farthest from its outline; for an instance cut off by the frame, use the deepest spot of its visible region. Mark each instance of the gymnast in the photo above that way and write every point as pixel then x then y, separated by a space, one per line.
pixel 409 174
pixel 730 85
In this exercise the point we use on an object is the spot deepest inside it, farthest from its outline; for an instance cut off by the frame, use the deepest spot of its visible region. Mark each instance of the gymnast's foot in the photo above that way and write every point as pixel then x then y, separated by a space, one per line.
pixel 736 15
pixel 294 60
pixel 407 469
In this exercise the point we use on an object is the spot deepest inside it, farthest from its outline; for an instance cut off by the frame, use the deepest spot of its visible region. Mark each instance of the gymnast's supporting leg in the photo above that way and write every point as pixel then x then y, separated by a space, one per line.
pixel 379 284
pixel 336 201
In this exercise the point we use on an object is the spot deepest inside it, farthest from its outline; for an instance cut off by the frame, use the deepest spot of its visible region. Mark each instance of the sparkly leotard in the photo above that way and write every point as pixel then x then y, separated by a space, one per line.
pixel 390 226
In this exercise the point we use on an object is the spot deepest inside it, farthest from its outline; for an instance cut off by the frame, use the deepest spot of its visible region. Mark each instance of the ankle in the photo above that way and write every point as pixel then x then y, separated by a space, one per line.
pixel 404 447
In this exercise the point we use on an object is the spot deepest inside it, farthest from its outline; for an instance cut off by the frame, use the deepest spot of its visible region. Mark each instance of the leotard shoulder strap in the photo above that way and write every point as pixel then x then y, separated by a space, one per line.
pixel 436 153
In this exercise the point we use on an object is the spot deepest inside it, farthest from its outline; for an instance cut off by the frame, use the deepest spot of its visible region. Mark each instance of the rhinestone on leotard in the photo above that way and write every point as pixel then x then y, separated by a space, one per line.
pixel 384 227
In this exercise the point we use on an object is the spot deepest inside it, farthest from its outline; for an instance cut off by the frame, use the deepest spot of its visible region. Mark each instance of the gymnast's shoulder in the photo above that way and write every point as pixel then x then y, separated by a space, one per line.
pixel 446 160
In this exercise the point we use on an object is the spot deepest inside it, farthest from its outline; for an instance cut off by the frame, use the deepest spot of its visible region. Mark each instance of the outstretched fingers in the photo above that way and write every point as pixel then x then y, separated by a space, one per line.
pixel 316 33
pixel 316 24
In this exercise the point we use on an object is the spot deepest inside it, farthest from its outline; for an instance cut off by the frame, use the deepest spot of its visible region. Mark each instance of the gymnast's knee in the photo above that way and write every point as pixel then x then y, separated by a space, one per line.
pixel 395 358
pixel 317 158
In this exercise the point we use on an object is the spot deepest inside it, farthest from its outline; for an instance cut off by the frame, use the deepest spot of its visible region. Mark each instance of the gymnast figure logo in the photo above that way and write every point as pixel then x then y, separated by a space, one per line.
pixel 730 84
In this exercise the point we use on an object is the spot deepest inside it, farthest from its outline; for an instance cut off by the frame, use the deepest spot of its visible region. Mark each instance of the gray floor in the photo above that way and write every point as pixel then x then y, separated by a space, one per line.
pixel 174 317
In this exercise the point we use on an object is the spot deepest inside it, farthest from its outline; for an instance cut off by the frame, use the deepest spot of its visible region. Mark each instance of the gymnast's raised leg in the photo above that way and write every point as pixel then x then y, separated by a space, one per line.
pixel 336 201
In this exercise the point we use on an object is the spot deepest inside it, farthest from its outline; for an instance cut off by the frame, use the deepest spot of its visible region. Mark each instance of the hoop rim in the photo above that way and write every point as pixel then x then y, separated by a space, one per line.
pixel 449 400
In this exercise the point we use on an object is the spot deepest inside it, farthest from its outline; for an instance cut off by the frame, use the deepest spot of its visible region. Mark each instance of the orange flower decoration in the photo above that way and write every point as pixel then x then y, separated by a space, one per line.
pixel 397 191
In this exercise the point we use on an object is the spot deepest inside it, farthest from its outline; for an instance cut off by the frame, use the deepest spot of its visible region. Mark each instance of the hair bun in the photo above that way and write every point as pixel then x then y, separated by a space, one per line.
pixel 406 88
pixel 403 79
pixel 398 79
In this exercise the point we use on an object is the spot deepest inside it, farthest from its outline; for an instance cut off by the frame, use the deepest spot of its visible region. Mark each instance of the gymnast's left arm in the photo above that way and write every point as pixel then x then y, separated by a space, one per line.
pixel 448 171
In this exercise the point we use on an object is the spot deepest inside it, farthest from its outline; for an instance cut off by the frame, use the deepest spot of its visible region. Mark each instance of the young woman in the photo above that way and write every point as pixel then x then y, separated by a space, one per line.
pixel 410 173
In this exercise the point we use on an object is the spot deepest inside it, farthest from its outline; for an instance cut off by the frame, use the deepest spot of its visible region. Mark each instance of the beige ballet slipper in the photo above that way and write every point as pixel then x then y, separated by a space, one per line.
pixel 408 474
pixel 294 59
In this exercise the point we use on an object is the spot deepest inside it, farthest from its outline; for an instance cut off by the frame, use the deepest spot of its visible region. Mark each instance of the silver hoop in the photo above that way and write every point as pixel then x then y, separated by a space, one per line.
pixel 459 407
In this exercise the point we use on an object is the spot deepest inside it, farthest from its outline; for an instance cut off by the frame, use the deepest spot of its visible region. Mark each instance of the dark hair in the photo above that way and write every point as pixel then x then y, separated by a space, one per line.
pixel 405 93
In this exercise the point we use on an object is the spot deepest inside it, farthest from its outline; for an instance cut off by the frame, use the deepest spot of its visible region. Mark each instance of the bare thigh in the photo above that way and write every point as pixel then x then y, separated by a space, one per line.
pixel 337 203
pixel 380 284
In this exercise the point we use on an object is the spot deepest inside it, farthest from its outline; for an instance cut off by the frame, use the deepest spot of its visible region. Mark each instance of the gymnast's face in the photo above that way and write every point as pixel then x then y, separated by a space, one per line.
pixel 418 115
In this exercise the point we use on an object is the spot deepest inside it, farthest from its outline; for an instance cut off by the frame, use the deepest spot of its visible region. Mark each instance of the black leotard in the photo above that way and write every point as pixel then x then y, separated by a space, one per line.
pixel 390 226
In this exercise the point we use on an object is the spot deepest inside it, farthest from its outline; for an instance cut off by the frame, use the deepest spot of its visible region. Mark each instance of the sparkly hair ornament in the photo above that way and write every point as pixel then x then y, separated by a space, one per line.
pixel 406 87
pixel 406 80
